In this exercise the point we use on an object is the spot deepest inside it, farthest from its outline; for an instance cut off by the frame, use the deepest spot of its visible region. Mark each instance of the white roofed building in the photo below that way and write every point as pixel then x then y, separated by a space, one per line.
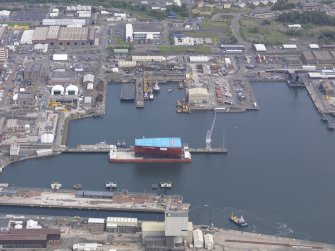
pixel 199 59
pixel 57 90
pixel 88 78
pixel 4 13
pixel 47 138
pixel 260 47
pixel 59 57
pixel 27 37
pixel 198 238
pixel 290 46
pixel 71 90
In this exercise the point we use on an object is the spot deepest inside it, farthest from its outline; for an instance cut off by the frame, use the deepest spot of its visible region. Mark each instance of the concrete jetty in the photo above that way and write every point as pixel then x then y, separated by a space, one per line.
pixel 90 200
pixel 105 148
pixel 139 94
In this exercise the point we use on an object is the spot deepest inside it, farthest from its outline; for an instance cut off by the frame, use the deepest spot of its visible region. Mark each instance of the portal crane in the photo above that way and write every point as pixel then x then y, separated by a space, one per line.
pixel 209 135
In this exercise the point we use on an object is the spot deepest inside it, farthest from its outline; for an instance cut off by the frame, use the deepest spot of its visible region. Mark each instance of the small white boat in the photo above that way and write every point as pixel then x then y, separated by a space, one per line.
pixel 170 90
pixel 156 88
pixel 165 184
pixel 56 186
pixel 151 96
pixel 111 185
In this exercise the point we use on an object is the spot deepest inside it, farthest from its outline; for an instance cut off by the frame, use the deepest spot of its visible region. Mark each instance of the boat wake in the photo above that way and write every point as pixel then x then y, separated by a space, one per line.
pixel 284 230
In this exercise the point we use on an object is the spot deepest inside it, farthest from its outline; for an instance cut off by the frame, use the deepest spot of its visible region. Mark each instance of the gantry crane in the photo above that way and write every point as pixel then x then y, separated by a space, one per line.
pixel 209 135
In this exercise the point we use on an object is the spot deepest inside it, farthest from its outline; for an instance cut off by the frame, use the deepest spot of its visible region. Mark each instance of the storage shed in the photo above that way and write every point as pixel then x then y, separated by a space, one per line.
pixel 198 239
pixel 59 57
pixel 57 90
pixel 260 47
pixel 71 90
pixel 209 242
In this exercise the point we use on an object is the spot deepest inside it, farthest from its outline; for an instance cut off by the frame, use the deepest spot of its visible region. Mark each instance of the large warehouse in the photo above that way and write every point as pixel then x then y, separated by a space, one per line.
pixel 64 36
pixel 143 32
pixel 319 57
pixel 198 96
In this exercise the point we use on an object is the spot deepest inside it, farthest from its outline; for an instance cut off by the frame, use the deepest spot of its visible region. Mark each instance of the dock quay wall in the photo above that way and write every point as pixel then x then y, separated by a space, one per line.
pixel 92 200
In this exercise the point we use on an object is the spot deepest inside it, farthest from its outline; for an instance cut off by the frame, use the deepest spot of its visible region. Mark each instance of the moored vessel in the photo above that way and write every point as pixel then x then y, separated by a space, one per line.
pixel 156 88
pixel 56 185
pixel 238 221
pixel 77 187
pixel 165 184
pixel 154 150
pixel 111 185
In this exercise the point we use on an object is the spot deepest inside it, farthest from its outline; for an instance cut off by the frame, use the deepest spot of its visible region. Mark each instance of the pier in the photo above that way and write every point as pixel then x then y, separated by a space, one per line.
pixel 139 94
pixel 91 200
pixel 105 148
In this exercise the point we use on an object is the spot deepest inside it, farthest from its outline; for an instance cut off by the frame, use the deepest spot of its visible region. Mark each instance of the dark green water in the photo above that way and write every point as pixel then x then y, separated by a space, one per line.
pixel 279 172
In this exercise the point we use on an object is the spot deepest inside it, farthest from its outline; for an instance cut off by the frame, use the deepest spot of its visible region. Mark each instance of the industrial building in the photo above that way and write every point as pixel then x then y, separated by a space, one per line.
pixel 96 225
pixel 152 58
pixel 121 225
pixel 199 59
pixel 62 76
pixel 198 96
pixel 63 22
pixel 319 57
pixel 143 32
pixel 60 36
pixel 27 37
pixel 260 47
pixel 29 238
pixel 172 233
pixel 3 57
pixel 3 30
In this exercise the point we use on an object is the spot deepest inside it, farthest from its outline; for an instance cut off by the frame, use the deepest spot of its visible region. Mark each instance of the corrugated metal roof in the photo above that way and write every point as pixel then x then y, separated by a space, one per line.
pixel 158 142
pixel 96 220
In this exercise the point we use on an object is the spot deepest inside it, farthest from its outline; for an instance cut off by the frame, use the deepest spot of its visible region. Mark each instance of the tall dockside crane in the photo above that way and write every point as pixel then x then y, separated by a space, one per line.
pixel 209 135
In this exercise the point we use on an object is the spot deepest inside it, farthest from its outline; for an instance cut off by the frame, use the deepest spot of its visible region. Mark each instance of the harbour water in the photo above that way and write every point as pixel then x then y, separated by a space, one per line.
pixel 279 172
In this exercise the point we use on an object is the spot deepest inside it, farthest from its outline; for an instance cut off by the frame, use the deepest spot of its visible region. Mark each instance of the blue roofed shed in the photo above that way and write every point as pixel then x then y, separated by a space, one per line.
pixel 158 142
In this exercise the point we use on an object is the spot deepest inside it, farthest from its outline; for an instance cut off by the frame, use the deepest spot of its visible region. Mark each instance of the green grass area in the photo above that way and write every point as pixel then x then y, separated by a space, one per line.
pixel 174 49
pixel 214 25
pixel 258 31
pixel 271 32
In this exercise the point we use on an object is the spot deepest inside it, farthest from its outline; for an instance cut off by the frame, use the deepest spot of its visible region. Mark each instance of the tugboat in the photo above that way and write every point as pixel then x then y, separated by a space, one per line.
pixel 238 221
pixel 156 88
pixel 56 185
pixel 154 186
pixel 111 185
pixel 170 90
pixel 77 187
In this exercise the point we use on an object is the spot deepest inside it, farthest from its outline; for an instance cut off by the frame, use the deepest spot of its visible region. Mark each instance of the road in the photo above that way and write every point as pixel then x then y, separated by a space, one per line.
pixel 235 27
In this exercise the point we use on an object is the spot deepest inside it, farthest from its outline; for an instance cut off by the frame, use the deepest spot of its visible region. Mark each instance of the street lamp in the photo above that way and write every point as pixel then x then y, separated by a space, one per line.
pixel 210 223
